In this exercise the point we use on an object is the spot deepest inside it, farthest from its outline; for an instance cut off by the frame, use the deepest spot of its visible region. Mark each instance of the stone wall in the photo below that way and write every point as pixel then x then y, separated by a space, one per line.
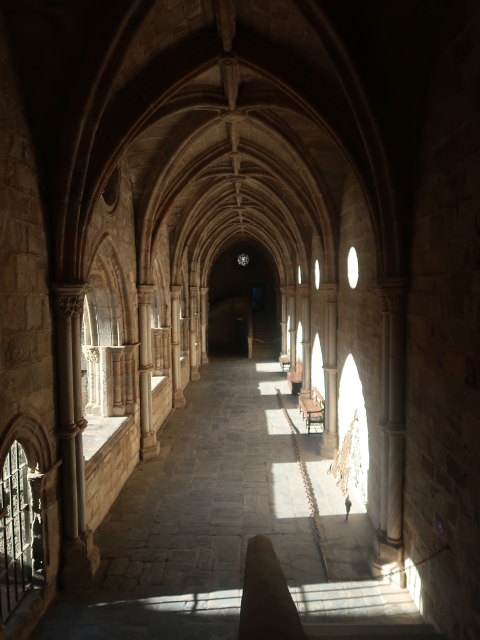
pixel 109 469
pixel 443 380
pixel 26 360
pixel 27 368
pixel 161 403
pixel 359 326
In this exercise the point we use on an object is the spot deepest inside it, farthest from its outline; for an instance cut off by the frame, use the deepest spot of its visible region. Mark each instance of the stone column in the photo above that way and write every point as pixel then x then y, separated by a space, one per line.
pixel 80 557
pixel 130 381
pixel 396 420
pixel 178 397
pixel 390 534
pixel 204 322
pixel 385 412
pixel 80 420
pixel 194 375
pixel 283 321
pixel 293 328
pixel 330 294
pixel 149 445
pixel 306 340
pixel 117 371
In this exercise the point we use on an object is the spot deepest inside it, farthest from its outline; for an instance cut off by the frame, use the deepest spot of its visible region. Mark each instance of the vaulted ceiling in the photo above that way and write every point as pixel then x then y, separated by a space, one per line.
pixel 236 119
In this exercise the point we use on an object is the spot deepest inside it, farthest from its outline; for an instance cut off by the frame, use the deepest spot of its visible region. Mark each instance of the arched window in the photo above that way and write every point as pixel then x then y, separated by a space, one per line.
pixel 21 553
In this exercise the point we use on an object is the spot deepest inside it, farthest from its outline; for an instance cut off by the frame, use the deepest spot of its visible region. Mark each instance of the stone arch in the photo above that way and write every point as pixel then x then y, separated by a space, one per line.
pixel 108 317
pixel 107 332
pixel 130 117
pixel 34 439
pixel 353 426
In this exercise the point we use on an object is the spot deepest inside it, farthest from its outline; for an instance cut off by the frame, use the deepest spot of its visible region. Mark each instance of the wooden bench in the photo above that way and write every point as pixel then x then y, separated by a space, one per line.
pixel 284 361
pixel 312 407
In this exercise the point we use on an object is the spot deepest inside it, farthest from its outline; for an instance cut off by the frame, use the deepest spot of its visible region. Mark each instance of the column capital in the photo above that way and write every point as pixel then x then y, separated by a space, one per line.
pixel 204 290
pixel 145 293
pixel 176 290
pixel 69 298
pixel 391 294
pixel 290 289
pixel 304 288
pixel 329 291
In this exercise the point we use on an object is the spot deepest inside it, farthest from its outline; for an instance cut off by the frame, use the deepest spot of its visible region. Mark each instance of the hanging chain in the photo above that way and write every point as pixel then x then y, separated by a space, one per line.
pixel 338 465
pixel 309 492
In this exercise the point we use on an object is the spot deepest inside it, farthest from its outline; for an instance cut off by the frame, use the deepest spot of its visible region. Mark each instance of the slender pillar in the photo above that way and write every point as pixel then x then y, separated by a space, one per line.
pixel 149 445
pixel 306 340
pixel 283 321
pixel 293 327
pixel 330 296
pixel 130 378
pixel 80 557
pixel 194 375
pixel 396 423
pixel 178 397
pixel 385 413
pixel 80 420
pixel 204 322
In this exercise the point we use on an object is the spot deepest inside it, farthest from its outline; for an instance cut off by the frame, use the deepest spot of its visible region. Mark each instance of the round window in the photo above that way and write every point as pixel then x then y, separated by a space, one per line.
pixel 352 267
pixel 243 259
pixel 111 190
pixel 317 274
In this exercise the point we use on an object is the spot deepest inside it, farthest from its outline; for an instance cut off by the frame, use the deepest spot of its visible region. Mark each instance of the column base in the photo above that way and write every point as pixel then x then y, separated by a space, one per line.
pixel 179 401
pixel 149 447
pixel 387 560
pixel 81 560
pixel 329 444
pixel 204 358
pixel 194 375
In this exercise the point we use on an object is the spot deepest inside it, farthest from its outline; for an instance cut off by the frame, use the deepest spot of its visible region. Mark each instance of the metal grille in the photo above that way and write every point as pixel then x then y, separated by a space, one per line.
pixel 16 531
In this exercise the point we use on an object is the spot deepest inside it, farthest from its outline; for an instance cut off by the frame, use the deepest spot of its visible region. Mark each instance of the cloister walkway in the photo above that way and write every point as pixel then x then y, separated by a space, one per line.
pixel 174 542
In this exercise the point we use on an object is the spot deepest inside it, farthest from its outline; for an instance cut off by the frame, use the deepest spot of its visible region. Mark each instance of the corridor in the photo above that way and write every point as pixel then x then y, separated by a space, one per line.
pixel 173 544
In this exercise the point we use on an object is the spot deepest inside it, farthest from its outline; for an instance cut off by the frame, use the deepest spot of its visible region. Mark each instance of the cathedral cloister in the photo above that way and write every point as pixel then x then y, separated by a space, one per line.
pixel 208 207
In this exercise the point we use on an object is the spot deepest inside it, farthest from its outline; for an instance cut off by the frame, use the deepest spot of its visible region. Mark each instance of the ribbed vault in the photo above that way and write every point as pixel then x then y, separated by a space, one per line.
pixel 235 119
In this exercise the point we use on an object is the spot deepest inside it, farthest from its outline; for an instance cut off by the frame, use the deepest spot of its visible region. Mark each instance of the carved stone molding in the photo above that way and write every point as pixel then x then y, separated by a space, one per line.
pixel 92 354
pixel 391 295
pixel 145 293
pixel 329 292
pixel 176 290
pixel 304 288
pixel 68 299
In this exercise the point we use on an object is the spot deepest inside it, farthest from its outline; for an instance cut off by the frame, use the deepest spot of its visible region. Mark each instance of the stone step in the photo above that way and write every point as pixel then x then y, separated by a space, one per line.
pixel 379 631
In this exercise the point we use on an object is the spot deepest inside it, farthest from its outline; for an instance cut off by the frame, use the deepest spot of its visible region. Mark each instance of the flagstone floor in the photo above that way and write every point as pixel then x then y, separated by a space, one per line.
pixel 173 544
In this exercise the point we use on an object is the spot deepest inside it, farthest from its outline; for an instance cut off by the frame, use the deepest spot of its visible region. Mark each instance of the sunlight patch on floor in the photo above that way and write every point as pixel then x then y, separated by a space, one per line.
pixel 225 602
pixel 267 388
pixel 268 367
pixel 276 423
pixel 358 599
pixel 289 496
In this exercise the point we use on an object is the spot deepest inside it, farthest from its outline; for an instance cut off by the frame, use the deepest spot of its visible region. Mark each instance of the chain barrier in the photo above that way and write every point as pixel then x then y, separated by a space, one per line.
pixel 309 492
pixel 314 512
